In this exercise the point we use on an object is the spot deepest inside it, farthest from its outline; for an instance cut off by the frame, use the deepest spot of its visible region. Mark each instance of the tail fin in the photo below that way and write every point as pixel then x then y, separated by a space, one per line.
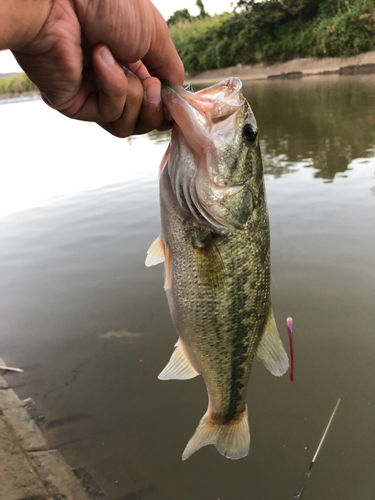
pixel 232 440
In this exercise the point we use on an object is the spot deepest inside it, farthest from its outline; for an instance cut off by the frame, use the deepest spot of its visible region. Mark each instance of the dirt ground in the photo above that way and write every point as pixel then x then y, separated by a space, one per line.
pixel 296 68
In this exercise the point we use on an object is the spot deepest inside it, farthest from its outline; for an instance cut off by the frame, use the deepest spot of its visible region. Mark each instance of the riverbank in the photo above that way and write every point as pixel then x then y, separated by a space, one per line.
pixel 15 85
pixel 7 95
pixel 29 469
pixel 296 68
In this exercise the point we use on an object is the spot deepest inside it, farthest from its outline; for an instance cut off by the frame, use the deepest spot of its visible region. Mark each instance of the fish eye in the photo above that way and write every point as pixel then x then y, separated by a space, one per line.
pixel 250 134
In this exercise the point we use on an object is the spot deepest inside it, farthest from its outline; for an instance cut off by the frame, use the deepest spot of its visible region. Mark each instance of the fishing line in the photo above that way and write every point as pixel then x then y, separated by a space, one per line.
pixel 305 477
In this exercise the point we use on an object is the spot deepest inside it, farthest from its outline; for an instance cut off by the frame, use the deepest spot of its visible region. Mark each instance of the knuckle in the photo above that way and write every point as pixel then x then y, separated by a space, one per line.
pixel 135 93
pixel 119 90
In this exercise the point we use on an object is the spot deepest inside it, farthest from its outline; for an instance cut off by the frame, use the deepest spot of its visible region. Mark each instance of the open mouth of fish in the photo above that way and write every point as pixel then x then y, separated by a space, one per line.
pixel 197 113
pixel 205 121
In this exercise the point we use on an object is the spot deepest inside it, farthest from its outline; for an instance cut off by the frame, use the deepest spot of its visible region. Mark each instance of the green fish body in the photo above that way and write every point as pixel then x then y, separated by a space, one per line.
pixel 215 243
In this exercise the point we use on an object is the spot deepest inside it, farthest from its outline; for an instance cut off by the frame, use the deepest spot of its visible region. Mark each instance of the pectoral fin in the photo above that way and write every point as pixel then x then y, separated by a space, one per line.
pixel 270 350
pixel 179 366
pixel 156 252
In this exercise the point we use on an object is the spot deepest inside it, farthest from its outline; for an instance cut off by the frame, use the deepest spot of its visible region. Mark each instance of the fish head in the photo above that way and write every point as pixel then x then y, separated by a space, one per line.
pixel 215 159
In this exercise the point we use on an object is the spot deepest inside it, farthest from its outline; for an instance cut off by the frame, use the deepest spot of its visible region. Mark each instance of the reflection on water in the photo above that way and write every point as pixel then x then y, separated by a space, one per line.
pixel 324 123
pixel 48 157
pixel 90 324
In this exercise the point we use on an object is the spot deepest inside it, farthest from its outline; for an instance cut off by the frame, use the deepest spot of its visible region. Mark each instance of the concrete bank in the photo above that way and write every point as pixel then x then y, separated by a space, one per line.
pixel 296 68
pixel 29 470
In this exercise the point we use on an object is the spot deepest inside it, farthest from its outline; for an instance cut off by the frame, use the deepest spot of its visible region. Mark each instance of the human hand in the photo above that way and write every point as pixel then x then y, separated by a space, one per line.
pixel 76 61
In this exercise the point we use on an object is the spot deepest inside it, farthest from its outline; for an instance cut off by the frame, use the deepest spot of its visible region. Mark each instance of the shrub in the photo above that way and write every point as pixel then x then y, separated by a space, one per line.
pixel 274 30
pixel 16 84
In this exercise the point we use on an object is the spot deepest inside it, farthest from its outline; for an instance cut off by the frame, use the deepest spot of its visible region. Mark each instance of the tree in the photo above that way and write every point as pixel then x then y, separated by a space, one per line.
pixel 179 15
pixel 202 12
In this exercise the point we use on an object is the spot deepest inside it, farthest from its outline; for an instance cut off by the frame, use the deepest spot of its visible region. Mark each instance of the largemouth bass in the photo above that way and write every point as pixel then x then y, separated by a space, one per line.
pixel 215 244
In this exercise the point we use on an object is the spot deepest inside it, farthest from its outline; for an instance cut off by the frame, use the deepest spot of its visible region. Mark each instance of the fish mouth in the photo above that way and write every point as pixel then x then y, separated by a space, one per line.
pixel 205 122
pixel 196 113
pixel 217 102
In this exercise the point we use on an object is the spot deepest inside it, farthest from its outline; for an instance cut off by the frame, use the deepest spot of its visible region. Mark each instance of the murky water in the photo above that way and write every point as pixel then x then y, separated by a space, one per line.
pixel 90 325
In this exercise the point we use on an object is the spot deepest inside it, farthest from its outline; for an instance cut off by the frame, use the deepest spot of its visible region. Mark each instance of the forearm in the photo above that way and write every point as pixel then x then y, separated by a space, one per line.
pixel 21 20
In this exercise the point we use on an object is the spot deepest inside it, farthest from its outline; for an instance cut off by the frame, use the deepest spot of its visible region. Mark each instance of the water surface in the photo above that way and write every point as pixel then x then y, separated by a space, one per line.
pixel 90 324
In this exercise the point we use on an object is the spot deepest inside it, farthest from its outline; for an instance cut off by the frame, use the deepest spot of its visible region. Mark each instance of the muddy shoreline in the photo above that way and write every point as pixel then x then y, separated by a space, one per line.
pixel 19 94
pixel 296 68
pixel 29 468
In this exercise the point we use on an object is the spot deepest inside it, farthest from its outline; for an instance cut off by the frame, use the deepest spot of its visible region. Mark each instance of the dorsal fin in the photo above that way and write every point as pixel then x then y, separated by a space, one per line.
pixel 270 350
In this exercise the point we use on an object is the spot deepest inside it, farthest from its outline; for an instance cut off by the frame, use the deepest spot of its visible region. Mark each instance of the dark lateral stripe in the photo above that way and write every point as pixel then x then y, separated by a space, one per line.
pixel 239 358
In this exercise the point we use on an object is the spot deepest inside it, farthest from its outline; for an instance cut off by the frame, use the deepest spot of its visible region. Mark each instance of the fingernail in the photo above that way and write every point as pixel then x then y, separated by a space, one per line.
pixel 106 55
pixel 153 94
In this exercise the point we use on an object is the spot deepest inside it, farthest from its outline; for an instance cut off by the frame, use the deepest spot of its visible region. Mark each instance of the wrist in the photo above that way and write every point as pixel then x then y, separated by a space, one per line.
pixel 21 21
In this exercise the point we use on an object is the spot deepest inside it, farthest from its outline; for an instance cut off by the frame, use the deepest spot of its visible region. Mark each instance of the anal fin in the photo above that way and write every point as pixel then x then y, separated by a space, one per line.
pixel 270 350
pixel 179 366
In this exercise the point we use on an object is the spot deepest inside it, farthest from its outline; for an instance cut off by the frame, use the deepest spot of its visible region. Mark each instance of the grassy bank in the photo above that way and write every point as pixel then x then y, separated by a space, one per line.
pixel 14 85
pixel 275 30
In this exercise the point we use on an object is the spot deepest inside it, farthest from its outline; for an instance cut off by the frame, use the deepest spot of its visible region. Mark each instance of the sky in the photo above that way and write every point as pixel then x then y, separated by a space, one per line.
pixel 9 65
pixel 167 7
